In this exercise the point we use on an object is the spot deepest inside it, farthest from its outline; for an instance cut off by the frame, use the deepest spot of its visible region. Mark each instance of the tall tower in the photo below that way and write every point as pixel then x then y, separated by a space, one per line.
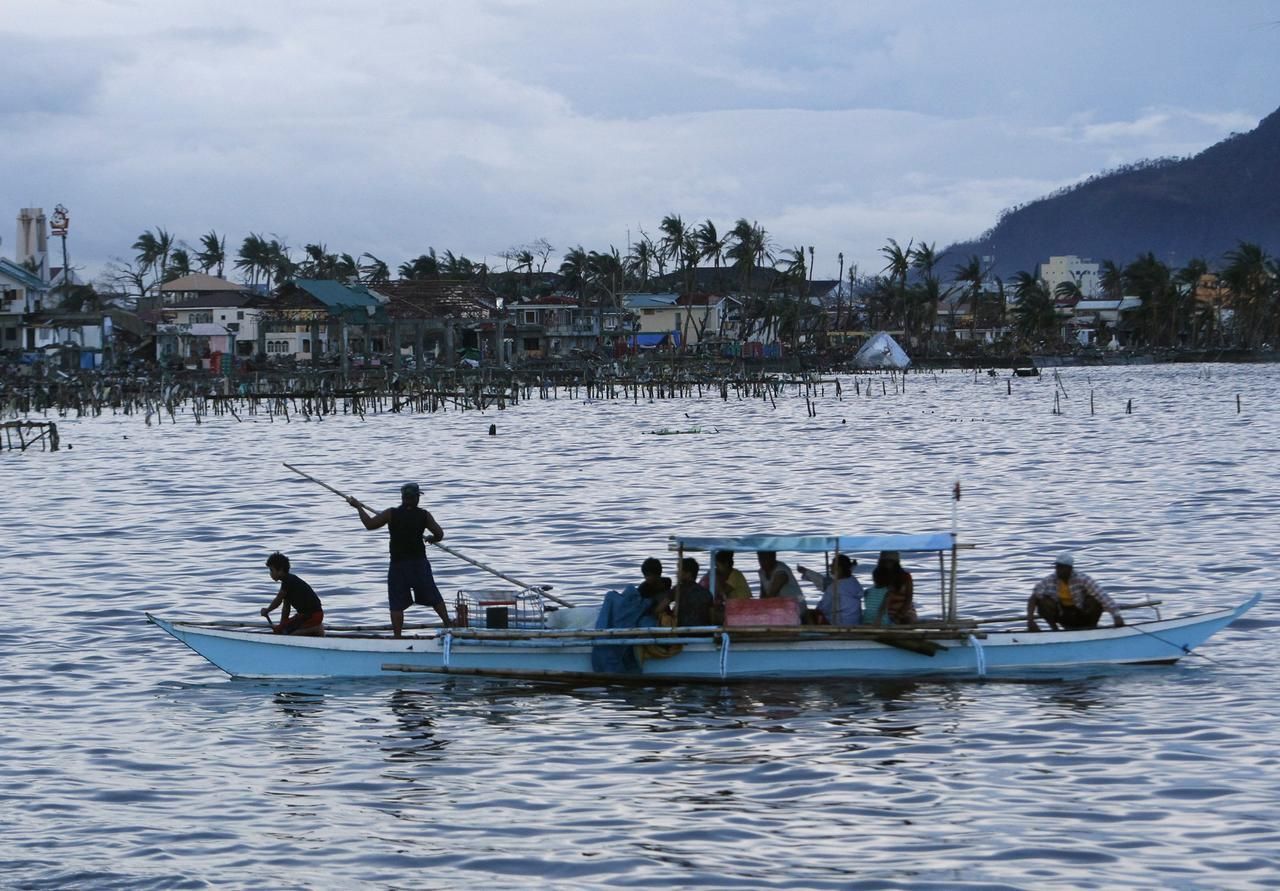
pixel 33 240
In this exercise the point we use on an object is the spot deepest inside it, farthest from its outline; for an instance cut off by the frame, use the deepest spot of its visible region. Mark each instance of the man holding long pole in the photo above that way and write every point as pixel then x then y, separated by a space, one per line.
pixel 409 577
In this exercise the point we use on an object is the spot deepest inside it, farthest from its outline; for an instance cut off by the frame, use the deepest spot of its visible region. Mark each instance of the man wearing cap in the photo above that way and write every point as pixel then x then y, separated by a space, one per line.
pixel 410 570
pixel 1070 599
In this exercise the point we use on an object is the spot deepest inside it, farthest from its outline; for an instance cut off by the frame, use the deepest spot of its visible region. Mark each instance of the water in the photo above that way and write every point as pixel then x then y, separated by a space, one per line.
pixel 129 762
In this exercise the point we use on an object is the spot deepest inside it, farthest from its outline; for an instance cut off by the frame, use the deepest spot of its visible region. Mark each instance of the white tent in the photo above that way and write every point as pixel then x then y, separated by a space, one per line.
pixel 881 351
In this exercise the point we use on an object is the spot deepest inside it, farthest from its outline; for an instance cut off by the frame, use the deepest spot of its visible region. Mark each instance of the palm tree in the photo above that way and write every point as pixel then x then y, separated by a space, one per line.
pixel 1111 280
pixel 971 273
pixel 1034 314
pixel 1251 276
pixel 679 245
pixel 347 269
pixel 1149 279
pixel 749 248
pixel 604 275
pixel 1067 291
pixel 153 252
pixel 524 261
pixel 458 267
pixel 642 259
pixel 179 264
pixel 1187 280
pixel 253 258
pixel 795 272
pixel 898 267
pixel 424 266
pixel 375 271
pixel 212 253
pixel 924 300
pixel 574 271
pixel 317 263
pixel 280 263
pixel 711 245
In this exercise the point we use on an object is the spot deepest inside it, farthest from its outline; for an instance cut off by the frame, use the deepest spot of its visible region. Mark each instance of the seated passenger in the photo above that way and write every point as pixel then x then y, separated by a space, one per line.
pixel 656 588
pixel 899 603
pixel 777 580
pixel 731 584
pixel 841 602
pixel 886 597
pixel 692 601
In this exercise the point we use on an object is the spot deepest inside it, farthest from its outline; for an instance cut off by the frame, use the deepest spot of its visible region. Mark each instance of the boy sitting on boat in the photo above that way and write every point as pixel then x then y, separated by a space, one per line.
pixel 295 596
pixel 1070 599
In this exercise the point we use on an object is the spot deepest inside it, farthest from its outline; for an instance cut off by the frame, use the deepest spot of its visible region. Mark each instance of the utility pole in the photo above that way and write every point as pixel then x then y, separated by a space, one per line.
pixel 839 289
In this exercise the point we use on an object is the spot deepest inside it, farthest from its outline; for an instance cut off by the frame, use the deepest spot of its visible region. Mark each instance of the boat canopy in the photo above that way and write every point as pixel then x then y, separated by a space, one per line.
pixel 814 544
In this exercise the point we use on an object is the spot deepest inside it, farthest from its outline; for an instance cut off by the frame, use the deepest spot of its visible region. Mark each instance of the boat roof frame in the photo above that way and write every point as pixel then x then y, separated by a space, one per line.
pixel 817 544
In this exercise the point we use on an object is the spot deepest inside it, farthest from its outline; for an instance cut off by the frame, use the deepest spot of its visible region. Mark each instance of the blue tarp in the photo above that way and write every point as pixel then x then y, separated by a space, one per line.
pixel 625 609
pixel 653 341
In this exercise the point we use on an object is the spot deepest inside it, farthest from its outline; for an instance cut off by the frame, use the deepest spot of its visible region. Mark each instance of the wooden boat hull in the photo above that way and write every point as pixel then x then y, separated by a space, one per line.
pixel 705 656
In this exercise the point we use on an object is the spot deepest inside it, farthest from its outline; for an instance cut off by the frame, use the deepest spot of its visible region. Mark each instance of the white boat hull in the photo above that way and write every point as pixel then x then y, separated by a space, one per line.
pixel 735 654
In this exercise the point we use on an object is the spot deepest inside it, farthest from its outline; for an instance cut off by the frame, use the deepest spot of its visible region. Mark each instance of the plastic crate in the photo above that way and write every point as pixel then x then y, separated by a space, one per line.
pixel 499 609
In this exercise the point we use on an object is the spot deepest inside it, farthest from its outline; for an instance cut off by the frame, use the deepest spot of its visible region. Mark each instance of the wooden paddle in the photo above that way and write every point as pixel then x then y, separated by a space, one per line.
pixel 541 589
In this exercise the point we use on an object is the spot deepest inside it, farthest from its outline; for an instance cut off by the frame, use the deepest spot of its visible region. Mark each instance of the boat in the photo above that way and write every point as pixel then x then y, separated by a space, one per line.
pixel 518 635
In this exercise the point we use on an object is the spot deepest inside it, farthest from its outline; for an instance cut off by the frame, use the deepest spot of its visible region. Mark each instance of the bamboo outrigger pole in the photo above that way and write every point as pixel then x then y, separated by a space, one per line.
pixel 541 589
pixel 955 505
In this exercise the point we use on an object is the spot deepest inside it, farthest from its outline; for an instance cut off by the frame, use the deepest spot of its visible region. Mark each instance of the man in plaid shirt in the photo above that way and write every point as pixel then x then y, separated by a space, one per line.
pixel 1070 599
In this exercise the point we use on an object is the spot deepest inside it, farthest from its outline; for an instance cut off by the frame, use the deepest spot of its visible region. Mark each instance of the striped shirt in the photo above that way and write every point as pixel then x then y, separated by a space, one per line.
pixel 1081 586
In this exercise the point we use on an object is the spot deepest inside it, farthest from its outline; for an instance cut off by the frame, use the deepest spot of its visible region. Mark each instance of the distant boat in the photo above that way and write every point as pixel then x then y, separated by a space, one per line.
pixel 533 647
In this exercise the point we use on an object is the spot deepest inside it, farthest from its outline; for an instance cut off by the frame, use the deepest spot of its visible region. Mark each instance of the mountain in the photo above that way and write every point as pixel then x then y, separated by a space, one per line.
pixel 1197 207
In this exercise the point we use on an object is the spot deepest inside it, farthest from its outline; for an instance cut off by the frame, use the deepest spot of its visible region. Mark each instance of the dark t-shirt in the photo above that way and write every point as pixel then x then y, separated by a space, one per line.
pixel 695 606
pixel 299 595
pixel 407 525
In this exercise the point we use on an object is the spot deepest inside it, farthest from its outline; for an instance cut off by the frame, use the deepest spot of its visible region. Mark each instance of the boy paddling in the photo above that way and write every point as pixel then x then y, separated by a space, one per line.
pixel 295 596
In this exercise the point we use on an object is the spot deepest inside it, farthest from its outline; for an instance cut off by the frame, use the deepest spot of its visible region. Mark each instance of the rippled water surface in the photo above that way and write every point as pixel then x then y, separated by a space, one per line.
pixel 129 762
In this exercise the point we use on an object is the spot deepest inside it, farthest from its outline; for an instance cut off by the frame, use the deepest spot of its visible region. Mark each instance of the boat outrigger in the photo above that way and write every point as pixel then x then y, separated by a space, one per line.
pixel 519 635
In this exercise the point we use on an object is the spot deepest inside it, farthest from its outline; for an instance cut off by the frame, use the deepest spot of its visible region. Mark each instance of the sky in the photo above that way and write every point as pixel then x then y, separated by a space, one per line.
pixel 480 126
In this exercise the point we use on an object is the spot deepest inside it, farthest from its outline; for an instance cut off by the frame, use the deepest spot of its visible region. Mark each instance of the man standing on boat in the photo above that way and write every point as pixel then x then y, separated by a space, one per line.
pixel 1070 599
pixel 410 570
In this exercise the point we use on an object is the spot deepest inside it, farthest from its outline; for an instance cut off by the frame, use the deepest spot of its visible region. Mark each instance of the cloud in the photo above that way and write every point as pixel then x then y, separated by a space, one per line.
pixel 475 126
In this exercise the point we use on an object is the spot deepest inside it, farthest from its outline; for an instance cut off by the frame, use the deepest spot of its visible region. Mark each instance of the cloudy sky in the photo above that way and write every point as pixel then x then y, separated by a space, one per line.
pixel 480 125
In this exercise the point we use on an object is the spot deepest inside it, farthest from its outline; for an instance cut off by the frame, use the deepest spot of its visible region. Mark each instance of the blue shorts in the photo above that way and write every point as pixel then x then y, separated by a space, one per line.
pixel 406 575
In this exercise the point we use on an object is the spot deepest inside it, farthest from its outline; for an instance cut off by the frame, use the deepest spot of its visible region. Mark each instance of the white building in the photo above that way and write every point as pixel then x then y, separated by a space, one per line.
pixel 22 293
pixel 1071 268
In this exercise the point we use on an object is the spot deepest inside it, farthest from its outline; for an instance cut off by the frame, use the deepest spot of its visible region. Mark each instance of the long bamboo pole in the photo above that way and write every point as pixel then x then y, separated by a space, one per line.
pixel 541 589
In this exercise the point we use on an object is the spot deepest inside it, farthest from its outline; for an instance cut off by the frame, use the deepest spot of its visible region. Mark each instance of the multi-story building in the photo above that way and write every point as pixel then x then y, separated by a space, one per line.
pixel 1073 269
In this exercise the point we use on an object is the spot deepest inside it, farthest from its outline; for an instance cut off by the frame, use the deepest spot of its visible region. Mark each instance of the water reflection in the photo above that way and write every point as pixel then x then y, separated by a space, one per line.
pixel 413 737
pixel 301 707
